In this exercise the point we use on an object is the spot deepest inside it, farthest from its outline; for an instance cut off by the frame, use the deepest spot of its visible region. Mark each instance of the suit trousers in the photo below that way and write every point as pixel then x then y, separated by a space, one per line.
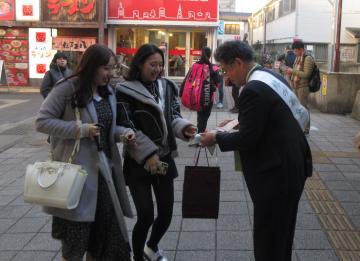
pixel 275 214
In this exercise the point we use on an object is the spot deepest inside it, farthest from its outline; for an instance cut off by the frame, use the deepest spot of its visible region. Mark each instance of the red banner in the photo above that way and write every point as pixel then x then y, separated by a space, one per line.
pixel 7 10
pixel 164 10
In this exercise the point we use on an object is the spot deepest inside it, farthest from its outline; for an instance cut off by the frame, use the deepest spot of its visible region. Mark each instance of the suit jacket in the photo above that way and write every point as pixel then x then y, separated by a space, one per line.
pixel 274 151
pixel 57 118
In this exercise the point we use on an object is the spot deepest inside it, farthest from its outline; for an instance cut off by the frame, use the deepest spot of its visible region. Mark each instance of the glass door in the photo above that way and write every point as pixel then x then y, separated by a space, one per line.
pixel 176 56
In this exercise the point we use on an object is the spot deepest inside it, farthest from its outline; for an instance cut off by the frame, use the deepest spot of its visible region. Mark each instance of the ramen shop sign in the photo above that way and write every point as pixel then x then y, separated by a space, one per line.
pixel 70 10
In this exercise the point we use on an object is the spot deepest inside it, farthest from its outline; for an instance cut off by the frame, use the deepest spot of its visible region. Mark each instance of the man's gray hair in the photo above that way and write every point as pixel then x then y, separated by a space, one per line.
pixel 228 51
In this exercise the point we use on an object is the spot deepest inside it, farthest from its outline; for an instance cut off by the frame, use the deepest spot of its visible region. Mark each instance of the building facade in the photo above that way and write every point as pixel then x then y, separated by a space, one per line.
pixel 32 31
pixel 227 5
pixel 280 22
pixel 233 26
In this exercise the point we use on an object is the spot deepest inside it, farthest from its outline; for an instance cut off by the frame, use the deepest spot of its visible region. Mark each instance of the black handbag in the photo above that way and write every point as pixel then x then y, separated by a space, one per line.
pixel 201 191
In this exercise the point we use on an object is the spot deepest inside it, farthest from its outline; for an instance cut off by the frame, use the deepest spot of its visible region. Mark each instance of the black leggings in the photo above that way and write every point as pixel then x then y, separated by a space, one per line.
pixel 202 118
pixel 141 193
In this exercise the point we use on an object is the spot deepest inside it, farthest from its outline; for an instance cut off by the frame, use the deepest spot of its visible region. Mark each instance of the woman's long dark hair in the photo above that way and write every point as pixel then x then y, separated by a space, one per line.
pixel 205 55
pixel 95 56
pixel 139 59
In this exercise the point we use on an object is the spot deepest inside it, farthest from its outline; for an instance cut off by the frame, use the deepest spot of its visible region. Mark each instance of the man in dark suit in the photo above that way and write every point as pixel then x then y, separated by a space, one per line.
pixel 275 155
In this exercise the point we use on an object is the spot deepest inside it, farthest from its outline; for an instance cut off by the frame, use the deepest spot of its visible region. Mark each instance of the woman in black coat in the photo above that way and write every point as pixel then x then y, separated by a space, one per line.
pixel 58 70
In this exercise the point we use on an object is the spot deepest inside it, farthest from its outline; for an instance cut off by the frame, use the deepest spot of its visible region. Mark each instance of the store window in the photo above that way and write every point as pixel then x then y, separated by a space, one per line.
pixel 177 47
pixel 232 29
pixel 172 41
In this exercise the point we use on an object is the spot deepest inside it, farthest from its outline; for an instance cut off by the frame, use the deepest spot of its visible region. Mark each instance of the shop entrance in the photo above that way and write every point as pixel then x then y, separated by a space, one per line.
pixel 181 48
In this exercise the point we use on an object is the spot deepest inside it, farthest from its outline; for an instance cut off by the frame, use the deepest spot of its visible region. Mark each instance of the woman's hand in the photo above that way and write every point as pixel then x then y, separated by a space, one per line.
pixel 129 137
pixel 357 141
pixel 88 130
pixel 190 131
pixel 94 130
pixel 152 164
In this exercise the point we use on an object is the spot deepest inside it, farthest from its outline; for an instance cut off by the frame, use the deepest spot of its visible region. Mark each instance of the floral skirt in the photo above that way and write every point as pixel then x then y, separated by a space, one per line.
pixel 102 239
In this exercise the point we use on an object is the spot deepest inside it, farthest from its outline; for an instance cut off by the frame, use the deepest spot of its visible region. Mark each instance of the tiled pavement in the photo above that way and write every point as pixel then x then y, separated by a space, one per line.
pixel 328 226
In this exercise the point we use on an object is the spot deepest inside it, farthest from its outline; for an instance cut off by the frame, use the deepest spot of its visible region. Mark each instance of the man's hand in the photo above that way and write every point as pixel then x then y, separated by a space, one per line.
pixel 288 70
pixel 208 138
pixel 357 141
pixel 190 131
pixel 223 123
pixel 152 164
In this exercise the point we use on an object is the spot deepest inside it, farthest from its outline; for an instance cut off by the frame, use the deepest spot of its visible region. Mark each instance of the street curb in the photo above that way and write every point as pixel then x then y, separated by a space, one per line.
pixel 11 144
pixel 25 89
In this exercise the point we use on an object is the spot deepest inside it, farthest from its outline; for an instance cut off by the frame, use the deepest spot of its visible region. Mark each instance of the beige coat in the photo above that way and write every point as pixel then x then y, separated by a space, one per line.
pixel 57 118
pixel 302 71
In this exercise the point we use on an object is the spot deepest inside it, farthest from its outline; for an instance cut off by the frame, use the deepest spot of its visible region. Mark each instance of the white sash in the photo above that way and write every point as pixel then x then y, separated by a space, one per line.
pixel 300 113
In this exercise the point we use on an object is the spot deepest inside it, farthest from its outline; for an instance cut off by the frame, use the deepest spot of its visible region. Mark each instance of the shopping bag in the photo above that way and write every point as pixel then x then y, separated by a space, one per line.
pixel 201 191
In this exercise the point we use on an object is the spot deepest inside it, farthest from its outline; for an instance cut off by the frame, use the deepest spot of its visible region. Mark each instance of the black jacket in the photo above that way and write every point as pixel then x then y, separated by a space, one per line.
pixel 51 77
pixel 274 151
pixel 137 109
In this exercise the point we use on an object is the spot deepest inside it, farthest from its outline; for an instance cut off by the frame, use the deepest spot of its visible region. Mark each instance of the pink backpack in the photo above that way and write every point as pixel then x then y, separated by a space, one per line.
pixel 192 86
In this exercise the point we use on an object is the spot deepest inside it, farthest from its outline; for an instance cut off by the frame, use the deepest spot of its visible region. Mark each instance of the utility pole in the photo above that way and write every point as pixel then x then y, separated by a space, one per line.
pixel 264 46
pixel 101 9
pixel 338 35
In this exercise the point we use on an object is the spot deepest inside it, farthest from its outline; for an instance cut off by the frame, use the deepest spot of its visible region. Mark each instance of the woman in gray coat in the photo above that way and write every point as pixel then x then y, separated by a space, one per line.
pixel 92 227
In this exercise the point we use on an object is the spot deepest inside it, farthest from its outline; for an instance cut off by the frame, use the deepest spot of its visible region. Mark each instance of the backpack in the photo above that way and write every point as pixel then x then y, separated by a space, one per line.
pixel 315 80
pixel 196 89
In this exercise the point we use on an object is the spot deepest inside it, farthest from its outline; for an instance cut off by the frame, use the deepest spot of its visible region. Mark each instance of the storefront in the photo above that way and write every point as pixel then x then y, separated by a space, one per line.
pixel 28 44
pixel 179 28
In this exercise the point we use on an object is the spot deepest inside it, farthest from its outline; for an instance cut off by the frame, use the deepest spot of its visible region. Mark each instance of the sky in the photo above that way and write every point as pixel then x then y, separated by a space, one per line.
pixel 249 6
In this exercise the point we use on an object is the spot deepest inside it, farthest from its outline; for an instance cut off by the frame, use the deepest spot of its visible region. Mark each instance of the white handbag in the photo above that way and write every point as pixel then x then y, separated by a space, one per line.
pixel 55 184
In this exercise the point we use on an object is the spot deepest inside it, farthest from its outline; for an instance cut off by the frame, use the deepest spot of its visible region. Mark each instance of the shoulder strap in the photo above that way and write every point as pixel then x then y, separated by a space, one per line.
pixel 77 141
pixel 300 113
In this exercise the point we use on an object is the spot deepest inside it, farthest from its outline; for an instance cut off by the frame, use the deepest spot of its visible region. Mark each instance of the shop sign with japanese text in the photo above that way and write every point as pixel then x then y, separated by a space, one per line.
pixel 27 10
pixel 163 11
pixel 72 43
pixel 70 10
pixel 7 10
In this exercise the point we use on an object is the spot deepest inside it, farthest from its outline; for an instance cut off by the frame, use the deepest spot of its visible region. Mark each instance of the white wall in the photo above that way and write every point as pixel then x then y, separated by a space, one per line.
pixel 350 18
pixel 281 30
pixel 312 22
pixel 315 21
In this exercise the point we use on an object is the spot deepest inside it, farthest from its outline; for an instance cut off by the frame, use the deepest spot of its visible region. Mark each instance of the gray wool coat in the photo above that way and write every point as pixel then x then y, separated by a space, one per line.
pixel 57 118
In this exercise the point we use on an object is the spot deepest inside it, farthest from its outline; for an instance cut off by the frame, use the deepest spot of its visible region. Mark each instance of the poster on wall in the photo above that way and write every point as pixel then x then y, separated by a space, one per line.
pixel 70 10
pixel 7 10
pixel 184 11
pixel 27 10
pixel 40 51
pixel 14 51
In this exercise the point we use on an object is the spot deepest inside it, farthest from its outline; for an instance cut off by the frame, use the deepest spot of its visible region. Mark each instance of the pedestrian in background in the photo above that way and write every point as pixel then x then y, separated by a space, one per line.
pixel 300 75
pixel 92 227
pixel 212 79
pixel 220 98
pixel 274 152
pixel 149 104
pixel 234 95
pixel 58 70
